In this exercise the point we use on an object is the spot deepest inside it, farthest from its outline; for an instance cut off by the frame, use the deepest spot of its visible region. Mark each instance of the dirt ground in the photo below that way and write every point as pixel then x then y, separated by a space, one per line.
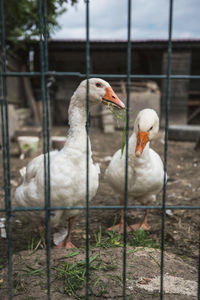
pixel 143 275
pixel 181 228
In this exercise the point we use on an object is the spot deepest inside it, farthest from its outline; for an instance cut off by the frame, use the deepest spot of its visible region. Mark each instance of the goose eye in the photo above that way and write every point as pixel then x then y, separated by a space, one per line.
pixel 98 84
pixel 151 128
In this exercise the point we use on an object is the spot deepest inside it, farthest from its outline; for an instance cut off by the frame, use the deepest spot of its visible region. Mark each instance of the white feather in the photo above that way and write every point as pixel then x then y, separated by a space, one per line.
pixel 22 172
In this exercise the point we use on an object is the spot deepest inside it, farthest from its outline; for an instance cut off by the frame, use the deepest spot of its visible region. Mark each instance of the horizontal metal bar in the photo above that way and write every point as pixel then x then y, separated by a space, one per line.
pixel 77 74
pixel 20 74
pixel 52 208
pixel 146 76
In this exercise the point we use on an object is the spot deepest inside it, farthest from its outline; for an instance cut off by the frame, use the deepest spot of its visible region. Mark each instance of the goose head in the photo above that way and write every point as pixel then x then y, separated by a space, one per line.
pixel 100 91
pixel 146 128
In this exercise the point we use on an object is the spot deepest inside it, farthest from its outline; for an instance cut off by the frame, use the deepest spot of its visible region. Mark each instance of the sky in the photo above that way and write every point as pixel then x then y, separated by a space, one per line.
pixel 108 20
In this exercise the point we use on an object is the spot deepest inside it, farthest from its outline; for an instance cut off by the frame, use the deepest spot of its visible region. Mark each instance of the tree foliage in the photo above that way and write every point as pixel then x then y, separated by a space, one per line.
pixel 22 18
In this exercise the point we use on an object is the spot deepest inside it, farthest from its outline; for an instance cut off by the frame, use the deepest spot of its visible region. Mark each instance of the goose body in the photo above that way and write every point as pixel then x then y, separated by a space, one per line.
pixel 145 174
pixel 67 166
pixel 145 167
pixel 64 183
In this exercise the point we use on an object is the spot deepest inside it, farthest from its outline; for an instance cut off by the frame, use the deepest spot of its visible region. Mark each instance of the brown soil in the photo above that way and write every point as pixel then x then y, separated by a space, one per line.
pixel 143 267
pixel 181 229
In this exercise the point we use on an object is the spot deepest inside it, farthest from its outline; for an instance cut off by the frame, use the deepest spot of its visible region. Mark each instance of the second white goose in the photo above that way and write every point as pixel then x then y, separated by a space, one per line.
pixel 145 168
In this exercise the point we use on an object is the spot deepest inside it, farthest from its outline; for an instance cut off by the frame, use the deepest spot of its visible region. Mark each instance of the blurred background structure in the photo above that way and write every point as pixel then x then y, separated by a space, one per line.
pixel 107 57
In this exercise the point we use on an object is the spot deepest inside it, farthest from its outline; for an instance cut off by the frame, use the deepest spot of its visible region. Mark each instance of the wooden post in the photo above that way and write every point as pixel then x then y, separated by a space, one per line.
pixel 31 99
pixel 180 65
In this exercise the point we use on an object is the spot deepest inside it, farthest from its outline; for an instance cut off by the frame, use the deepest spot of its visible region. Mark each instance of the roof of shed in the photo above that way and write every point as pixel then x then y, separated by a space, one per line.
pixel 152 43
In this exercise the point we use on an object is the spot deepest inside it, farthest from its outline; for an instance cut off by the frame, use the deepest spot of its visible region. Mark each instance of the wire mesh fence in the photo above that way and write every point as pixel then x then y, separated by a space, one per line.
pixel 44 73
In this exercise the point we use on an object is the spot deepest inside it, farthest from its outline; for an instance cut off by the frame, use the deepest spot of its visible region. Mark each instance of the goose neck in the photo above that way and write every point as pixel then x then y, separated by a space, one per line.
pixel 76 137
pixel 77 112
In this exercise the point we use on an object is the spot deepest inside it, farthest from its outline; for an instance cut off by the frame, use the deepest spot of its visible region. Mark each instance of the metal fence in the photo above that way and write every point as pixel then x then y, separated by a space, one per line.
pixel 44 74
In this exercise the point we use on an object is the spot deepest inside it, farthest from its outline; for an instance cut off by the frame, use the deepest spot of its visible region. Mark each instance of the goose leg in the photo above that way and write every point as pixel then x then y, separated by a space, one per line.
pixel 143 224
pixel 66 243
pixel 120 227
pixel 41 230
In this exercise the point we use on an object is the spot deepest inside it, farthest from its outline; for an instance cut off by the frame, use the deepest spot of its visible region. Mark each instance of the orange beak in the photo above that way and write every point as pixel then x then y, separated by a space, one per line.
pixel 111 97
pixel 142 140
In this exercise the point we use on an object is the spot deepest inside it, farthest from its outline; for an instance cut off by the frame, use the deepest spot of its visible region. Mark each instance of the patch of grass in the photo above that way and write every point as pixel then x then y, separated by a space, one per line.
pixel 109 267
pixel 72 254
pixel 37 260
pixel 140 238
pixel 134 250
pixel 100 287
pixel 120 115
pixel 33 271
pixel 110 239
pixel 73 275
pixel 18 286
pixel 117 279
pixel 33 244
pixel 114 239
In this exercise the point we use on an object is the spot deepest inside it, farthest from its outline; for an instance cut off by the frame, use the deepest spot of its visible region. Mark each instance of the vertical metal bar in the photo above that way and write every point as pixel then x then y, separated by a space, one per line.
pixel 6 151
pixel 48 197
pixel 42 10
pixel 87 145
pixel 127 143
pixel 167 108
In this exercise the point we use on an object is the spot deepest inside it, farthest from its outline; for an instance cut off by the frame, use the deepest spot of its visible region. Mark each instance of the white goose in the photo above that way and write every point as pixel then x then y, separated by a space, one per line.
pixel 67 166
pixel 145 168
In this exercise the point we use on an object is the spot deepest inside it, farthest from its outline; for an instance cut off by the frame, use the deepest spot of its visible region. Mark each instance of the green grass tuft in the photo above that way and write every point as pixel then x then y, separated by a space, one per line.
pixel 120 115
pixel 33 244
pixel 73 275
pixel 110 239
pixel 29 271
pixel 140 238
